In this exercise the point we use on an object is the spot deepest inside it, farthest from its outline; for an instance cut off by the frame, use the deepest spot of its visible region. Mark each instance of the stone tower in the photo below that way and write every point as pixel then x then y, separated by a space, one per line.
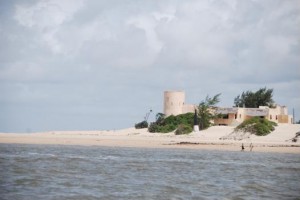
pixel 173 102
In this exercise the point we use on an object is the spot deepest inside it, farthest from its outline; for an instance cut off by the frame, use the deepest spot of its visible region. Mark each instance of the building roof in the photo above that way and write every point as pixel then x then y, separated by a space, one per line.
pixel 226 110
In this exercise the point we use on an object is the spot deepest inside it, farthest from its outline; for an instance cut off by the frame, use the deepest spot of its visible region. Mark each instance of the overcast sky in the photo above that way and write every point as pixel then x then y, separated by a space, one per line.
pixel 96 65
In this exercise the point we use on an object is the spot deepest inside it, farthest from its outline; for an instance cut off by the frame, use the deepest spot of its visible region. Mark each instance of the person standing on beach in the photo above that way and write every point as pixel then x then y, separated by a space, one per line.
pixel 243 148
pixel 251 147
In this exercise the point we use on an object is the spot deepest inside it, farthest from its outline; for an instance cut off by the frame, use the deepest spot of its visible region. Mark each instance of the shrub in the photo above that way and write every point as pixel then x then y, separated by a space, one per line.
pixel 143 124
pixel 153 128
pixel 171 123
pixel 183 129
pixel 167 128
pixel 257 126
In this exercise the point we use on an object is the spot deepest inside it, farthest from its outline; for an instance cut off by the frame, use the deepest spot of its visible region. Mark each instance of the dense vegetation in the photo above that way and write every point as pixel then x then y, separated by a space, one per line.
pixel 143 124
pixel 262 97
pixel 183 129
pixel 171 123
pixel 257 126
pixel 205 114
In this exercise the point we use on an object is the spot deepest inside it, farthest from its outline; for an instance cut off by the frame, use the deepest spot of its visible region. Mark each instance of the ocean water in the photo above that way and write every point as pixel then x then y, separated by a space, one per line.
pixel 77 172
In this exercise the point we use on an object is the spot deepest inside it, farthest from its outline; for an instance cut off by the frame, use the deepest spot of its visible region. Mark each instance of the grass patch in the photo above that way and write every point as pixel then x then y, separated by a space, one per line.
pixel 257 126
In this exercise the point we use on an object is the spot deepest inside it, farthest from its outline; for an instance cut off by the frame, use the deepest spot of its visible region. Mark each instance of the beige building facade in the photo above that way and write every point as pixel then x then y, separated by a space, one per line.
pixel 174 104
pixel 234 116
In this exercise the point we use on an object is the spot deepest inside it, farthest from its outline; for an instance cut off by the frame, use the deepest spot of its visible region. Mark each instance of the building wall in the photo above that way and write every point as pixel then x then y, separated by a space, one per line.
pixel 241 115
pixel 173 102
pixel 273 114
pixel 283 119
pixel 278 115
pixel 230 119
pixel 188 108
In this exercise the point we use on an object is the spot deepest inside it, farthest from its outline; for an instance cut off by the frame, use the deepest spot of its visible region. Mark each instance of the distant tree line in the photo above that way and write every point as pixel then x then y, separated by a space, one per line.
pixel 249 99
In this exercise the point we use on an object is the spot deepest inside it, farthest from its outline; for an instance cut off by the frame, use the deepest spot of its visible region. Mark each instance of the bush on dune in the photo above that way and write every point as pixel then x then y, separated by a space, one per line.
pixel 183 129
pixel 140 125
pixel 257 126
pixel 171 123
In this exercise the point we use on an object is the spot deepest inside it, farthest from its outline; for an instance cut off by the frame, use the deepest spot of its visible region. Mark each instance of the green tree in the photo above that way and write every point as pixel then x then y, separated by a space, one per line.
pixel 206 111
pixel 249 99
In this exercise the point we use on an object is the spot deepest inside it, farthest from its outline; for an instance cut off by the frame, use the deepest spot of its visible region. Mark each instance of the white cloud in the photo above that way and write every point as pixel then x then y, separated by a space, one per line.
pixel 47 14
pixel 147 24
pixel 47 17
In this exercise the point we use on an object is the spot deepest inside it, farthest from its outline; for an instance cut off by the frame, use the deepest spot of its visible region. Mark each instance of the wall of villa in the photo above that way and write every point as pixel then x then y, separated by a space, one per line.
pixel 278 115
pixel 188 108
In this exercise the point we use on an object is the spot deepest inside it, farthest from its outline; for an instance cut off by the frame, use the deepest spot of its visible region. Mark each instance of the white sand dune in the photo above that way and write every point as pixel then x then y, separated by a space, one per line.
pixel 282 134
pixel 277 141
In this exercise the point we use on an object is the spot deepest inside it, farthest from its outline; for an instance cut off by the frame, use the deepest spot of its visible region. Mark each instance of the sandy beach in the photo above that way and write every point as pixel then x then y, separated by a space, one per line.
pixel 278 141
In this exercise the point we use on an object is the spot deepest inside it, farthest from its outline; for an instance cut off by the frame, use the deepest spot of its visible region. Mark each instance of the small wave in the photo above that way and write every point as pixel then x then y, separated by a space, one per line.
pixel 41 154
pixel 289 169
pixel 255 187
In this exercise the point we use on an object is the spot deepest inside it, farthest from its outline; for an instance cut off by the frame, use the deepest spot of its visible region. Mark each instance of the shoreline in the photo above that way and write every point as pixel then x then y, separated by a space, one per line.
pixel 276 142
pixel 290 149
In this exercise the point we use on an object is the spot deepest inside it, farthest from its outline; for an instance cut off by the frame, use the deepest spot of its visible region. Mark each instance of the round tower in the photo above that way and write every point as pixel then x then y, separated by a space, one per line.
pixel 173 102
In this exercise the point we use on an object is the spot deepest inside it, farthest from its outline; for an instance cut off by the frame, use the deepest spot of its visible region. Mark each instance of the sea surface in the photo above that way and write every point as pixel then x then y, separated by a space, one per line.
pixel 78 172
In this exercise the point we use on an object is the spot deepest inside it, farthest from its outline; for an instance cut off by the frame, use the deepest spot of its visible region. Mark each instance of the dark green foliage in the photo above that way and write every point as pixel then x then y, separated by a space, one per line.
pixel 159 117
pixel 262 97
pixel 257 126
pixel 169 124
pixel 205 114
pixel 183 129
pixel 143 124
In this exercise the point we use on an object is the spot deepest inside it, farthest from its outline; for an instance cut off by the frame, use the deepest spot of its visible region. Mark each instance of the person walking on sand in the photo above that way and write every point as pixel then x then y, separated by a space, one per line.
pixel 243 148
pixel 251 147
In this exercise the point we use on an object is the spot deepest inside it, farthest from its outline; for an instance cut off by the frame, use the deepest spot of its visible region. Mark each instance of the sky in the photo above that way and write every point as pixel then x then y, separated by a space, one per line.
pixel 98 65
